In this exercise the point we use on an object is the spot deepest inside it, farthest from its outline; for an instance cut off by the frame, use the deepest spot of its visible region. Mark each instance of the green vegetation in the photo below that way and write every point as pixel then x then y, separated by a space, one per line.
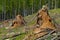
pixel 0 7
pixel 21 29
pixel 10 8
pixel 54 10
pixel 32 22
pixel 25 7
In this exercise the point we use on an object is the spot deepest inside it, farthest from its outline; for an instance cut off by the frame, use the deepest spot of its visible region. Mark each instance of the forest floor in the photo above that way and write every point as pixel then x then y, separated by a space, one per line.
pixel 30 22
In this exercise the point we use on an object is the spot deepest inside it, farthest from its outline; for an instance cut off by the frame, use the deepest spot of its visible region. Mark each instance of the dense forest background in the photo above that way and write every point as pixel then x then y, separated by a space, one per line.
pixel 10 8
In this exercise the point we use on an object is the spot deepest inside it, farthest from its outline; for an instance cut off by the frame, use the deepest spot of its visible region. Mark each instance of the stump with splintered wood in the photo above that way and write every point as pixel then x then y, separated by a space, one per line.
pixel 19 21
pixel 45 25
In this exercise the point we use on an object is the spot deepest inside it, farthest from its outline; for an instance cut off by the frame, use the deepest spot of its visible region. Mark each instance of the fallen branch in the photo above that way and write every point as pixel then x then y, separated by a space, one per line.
pixel 11 35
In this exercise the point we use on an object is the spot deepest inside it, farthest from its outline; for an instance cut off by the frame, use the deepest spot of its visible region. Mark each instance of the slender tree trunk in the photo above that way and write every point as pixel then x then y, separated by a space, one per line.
pixel 19 7
pixel 32 6
pixel 3 9
pixel 24 8
pixel 52 4
pixel 55 4
pixel 40 4
pixel 9 9
pixel 49 4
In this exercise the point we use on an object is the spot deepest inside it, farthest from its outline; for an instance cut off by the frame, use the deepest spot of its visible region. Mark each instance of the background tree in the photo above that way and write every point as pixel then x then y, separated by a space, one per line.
pixel 10 8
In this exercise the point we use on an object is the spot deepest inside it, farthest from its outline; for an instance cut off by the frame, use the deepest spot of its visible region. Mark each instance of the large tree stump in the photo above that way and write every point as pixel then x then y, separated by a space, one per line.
pixel 45 24
pixel 19 21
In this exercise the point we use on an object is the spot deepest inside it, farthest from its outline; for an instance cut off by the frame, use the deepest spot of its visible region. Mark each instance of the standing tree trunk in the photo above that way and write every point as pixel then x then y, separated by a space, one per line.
pixel 24 8
pixel 40 4
pixel 52 4
pixel 55 4
pixel 19 7
pixel 3 9
pixel 49 4
pixel 32 6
